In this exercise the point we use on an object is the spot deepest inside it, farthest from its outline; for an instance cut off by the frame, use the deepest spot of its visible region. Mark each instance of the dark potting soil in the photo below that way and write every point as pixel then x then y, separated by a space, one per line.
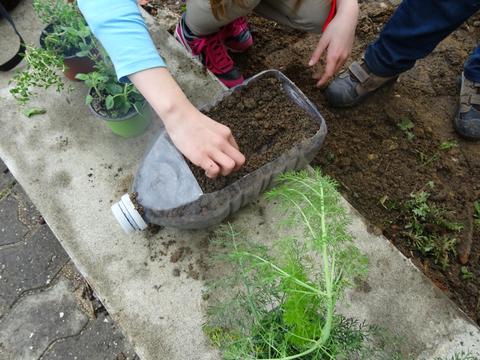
pixel 265 124
pixel 379 165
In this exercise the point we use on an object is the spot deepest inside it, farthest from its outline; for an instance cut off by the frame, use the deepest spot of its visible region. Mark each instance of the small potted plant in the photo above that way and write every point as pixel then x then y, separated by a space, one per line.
pixel 67 35
pixel 124 109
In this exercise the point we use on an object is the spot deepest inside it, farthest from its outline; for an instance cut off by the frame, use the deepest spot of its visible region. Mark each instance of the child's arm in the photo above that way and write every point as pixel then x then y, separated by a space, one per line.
pixel 121 29
pixel 337 40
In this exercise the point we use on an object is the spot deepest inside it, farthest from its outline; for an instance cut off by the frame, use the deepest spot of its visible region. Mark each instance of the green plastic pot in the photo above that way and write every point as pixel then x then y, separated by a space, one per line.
pixel 133 124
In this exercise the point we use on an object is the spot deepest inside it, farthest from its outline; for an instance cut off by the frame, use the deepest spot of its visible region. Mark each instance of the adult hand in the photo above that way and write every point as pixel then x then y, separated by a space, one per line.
pixel 337 41
pixel 206 143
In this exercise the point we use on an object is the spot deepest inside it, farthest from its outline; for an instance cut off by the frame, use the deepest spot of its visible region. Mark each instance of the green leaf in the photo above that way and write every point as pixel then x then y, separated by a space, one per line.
pixel 82 53
pixel 88 99
pixel 34 111
pixel 82 77
pixel 109 102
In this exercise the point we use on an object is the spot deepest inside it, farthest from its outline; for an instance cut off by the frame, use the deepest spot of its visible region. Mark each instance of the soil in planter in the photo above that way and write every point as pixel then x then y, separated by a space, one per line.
pixel 376 162
pixel 265 124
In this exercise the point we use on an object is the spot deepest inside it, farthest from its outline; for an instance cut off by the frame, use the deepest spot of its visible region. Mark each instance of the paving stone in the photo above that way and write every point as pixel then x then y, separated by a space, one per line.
pixel 6 178
pixel 27 212
pixel 99 340
pixel 11 228
pixel 28 265
pixel 3 167
pixel 37 320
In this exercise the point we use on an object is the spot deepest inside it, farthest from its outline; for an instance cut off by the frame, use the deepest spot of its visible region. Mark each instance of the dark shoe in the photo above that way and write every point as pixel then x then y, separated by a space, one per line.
pixel 353 85
pixel 467 120
pixel 212 52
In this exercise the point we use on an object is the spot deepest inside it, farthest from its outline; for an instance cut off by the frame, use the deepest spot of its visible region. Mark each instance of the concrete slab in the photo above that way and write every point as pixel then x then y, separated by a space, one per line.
pixel 155 295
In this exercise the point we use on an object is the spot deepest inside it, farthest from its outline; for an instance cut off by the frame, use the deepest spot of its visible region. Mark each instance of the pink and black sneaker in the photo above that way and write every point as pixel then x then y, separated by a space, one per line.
pixel 238 37
pixel 212 52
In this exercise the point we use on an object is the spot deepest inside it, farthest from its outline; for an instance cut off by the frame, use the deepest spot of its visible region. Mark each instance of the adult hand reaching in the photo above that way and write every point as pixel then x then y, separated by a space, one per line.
pixel 337 41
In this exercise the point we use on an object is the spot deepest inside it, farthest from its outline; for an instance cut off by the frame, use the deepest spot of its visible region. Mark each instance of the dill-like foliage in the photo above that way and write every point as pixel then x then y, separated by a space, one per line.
pixel 280 301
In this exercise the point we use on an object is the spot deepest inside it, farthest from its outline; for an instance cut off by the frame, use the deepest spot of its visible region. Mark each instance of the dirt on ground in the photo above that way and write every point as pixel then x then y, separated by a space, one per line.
pixel 396 146
pixel 265 124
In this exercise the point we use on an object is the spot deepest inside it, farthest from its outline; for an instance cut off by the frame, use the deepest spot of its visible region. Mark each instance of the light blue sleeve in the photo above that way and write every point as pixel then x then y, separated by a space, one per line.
pixel 123 33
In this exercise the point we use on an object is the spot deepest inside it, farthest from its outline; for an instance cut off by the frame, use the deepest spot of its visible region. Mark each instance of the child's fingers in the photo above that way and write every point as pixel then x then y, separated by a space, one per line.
pixel 232 141
pixel 225 162
pixel 236 156
pixel 329 71
pixel 212 170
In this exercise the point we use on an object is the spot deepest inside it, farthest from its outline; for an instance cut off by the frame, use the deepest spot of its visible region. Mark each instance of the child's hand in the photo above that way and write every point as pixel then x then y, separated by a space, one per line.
pixel 337 40
pixel 203 141
pixel 206 143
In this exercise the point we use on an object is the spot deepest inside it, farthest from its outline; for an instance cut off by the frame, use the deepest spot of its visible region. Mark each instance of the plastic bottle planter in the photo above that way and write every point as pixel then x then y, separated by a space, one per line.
pixel 133 124
pixel 73 64
pixel 169 194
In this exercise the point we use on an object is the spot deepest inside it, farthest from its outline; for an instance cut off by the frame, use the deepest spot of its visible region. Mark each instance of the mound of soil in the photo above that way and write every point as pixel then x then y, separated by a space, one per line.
pixel 265 124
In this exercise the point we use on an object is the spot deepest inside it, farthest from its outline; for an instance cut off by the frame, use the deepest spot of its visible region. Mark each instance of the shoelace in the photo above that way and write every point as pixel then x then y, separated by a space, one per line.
pixel 216 56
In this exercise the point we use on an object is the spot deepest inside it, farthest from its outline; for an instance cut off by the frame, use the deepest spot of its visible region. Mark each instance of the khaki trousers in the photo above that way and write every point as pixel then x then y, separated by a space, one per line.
pixel 309 17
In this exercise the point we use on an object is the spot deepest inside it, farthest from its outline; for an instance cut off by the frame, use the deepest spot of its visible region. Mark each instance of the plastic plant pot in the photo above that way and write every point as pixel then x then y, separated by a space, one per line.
pixel 169 195
pixel 135 123
pixel 73 64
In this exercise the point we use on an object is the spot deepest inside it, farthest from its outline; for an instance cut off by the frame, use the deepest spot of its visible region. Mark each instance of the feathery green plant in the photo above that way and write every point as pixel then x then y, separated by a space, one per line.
pixel 281 301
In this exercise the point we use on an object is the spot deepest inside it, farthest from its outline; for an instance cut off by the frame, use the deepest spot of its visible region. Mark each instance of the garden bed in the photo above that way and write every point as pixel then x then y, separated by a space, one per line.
pixel 265 124
pixel 397 154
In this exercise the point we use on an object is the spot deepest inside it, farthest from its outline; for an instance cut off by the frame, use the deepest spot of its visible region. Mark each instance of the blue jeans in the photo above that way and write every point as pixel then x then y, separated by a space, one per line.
pixel 414 30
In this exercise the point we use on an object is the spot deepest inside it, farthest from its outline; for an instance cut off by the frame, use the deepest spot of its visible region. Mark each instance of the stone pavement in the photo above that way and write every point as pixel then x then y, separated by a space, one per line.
pixel 47 310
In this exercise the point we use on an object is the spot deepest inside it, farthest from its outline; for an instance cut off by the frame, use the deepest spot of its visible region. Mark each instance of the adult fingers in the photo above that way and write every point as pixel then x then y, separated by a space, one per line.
pixel 317 53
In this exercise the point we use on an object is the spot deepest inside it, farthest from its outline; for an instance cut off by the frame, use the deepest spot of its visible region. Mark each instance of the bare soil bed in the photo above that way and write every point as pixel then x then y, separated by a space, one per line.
pixel 265 124
pixel 399 143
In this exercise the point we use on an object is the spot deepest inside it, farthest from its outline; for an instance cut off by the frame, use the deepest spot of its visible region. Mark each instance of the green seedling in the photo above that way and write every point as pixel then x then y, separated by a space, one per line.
pixel 280 301
pixel 406 126
pixel 476 212
pixel 449 144
pixel 429 230
pixel 116 98
pixel 388 203
pixel 426 159
pixel 466 274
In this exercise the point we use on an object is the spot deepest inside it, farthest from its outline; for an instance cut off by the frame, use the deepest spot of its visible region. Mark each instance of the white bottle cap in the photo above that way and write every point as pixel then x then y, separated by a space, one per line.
pixel 127 216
